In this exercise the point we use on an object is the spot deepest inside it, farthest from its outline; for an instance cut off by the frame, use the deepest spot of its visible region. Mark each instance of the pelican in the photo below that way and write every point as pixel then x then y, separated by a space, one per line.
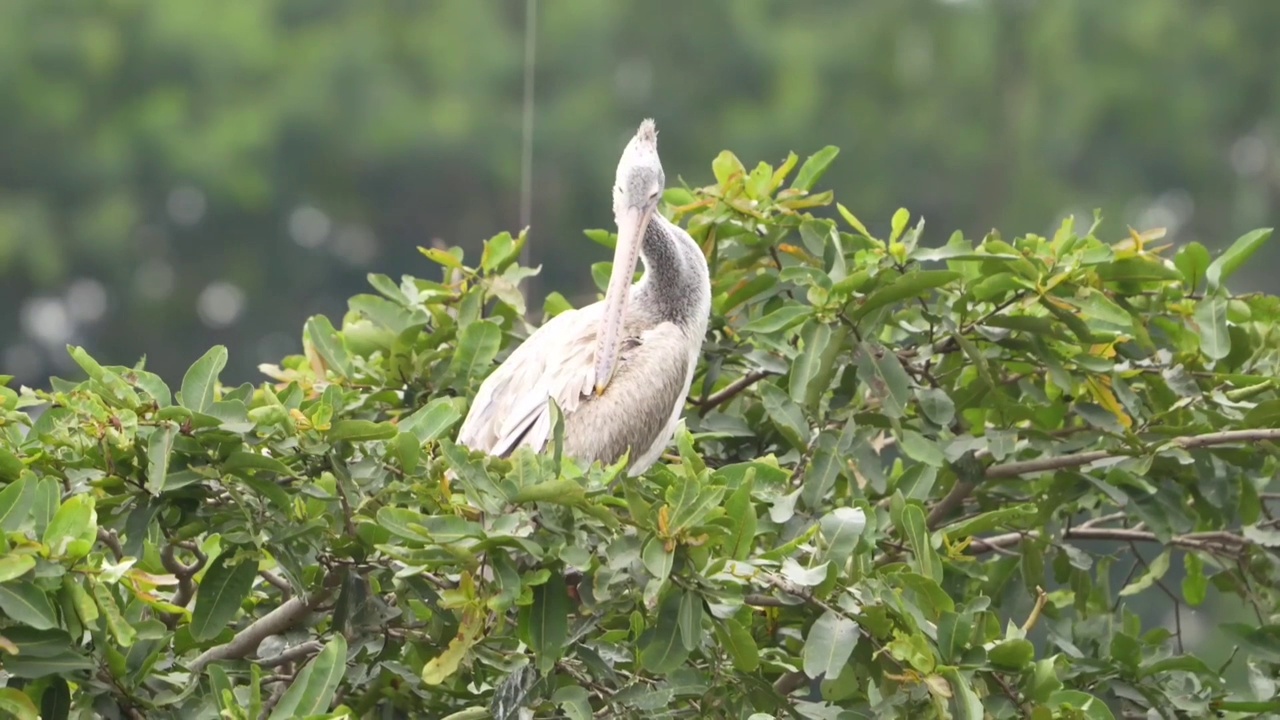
pixel 618 369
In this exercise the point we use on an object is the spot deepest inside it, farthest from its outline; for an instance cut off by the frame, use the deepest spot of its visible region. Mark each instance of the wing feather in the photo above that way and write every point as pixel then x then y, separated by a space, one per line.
pixel 556 361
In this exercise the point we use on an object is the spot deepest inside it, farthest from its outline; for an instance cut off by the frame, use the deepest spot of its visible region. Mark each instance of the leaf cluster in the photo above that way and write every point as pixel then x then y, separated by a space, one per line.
pixel 943 481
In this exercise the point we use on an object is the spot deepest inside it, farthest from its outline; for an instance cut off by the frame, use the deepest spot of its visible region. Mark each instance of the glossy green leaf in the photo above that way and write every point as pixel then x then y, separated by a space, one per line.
pixel 1211 325
pixel 545 623
pixel 159 448
pixel 26 603
pixel 223 589
pixel 328 343
pixel 477 347
pixel 1235 256
pixel 201 380
pixel 16 501
pixel 814 167
pixel 829 644
pixel 738 643
pixel 313 689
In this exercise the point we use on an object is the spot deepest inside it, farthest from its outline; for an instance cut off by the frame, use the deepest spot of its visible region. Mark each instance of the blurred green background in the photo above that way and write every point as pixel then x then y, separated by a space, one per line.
pixel 179 173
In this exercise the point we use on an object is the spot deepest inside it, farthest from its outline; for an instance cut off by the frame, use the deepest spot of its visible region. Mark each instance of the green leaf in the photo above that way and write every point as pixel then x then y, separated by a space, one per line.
pixel 812 369
pixel 498 251
pixel 690 620
pixel 936 405
pixel 478 345
pixel 433 419
pixel 574 701
pixel 25 603
pixel 737 641
pixel 16 500
pixel 444 258
pixel 1192 261
pixel 902 288
pixel 783 318
pixel 1195 585
pixel 63 664
pixel 814 167
pixel 312 691
pixel 829 644
pixel 76 519
pixel 328 343
pixel 55 704
pixel 545 622
pixel 360 431
pixel 725 166
pixel 656 558
pixel 823 471
pixel 1015 654
pixel 883 373
pixel 11 466
pixel 1155 570
pixel 925 558
pixel 240 461
pixel 14 566
pixel 660 648
pixel 785 414
pixel 198 384
pixel 220 595
pixel 1086 705
pixel 840 530
pixel 742 515
pixel 1235 256
pixel 1211 324
pixel 120 629
pixel 918 447
pixel 15 703
pixel 159 448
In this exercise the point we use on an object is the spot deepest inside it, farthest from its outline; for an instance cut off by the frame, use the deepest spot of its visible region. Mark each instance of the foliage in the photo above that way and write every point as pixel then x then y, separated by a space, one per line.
pixel 162 148
pixel 915 481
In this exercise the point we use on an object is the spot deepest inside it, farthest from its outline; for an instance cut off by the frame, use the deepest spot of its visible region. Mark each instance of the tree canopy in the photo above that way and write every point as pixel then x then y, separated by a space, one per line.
pixel 917 477
pixel 178 174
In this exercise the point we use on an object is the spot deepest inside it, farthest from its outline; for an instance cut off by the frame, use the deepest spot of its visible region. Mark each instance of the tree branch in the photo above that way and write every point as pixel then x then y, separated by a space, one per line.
pixel 248 639
pixel 1189 442
pixel 717 399
pixel 297 652
pixel 962 489
pixel 1205 541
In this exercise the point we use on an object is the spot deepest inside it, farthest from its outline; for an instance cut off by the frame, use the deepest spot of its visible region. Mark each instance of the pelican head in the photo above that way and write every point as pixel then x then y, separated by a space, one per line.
pixel 636 191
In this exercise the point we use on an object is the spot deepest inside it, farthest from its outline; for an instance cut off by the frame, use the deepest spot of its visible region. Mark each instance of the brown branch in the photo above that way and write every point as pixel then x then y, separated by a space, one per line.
pixel 280 583
pixel 297 652
pixel 112 541
pixel 717 399
pixel 184 573
pixel 247 640
pixel 1204 541
pixel 1189 442
pixel 962 490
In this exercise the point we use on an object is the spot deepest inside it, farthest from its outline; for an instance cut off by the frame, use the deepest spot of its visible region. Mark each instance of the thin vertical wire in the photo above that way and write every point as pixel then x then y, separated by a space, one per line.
pixel 526 155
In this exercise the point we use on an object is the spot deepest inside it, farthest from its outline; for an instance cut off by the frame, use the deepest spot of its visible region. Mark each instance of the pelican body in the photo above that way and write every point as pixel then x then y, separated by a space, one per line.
pixel 618 369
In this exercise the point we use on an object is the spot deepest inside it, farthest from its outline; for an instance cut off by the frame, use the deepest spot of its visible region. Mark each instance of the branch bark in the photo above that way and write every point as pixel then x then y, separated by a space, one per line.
pixel 247 640
pixel 1189 442
pixel 1207 541
pixel 961 491
pixel 715 400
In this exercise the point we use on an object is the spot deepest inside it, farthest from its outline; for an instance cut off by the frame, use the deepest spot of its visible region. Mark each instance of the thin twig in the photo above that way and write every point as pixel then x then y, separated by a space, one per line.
pixel 962 489
pixel 717 399
pixel 1205 541
pixel 1189 442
